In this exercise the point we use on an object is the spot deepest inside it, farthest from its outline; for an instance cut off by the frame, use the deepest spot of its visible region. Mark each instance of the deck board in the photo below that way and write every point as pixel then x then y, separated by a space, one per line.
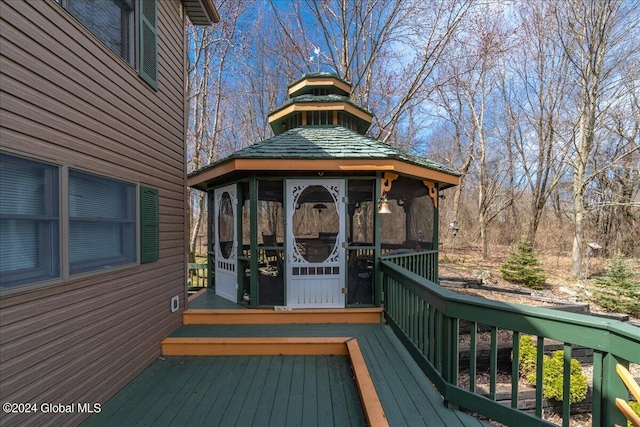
pixel 248 408
pixel 267 397
pixel 232 380
pixel 202 409
pixel 296 393
pixel 338 395
pixel 209 300
pixel 235 405
pixel 354 407
pixel 310 395
pixel 323 385
pixel 171 400
pixel 408 393
pixel 211 368
pixel 146 402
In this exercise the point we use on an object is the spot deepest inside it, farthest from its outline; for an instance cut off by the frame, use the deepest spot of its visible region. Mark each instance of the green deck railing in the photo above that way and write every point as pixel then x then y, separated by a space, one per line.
pixel 197 275
pixel 427 318
pixel 424 264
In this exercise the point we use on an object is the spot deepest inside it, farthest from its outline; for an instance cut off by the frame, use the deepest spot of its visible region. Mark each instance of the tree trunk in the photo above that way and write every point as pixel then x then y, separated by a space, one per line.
pixel 578 233
pixel 193 241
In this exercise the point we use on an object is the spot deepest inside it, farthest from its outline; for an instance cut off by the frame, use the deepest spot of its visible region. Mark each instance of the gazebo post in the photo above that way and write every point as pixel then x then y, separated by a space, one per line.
pixel 436 239
pixel 210 239
pixel 253 239
pixel 377 285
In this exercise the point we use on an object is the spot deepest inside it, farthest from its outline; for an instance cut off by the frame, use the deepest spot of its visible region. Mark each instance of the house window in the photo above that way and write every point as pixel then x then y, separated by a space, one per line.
pixel 112 21
pixel 127 27
pixel 102 222
pixel 100 217
pixel 29 221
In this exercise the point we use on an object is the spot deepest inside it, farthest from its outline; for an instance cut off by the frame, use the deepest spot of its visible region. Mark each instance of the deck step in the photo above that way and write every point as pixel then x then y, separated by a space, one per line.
pixel 266 316
pixel 255 346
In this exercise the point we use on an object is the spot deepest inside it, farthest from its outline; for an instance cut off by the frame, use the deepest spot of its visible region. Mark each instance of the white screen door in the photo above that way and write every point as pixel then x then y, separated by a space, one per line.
pixel 315 232
pixel 225 203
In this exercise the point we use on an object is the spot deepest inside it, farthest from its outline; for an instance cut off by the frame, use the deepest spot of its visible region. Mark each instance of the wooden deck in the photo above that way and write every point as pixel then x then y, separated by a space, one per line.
pixel 238 391
pixel 207 299
pixel 280 390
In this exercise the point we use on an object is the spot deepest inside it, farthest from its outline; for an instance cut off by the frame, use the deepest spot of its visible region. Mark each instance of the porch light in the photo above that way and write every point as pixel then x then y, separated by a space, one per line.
pixel 383 205
pixel 320 207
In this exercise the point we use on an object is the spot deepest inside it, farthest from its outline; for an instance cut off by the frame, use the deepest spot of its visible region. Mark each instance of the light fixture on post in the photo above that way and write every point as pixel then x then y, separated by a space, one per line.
pixel 383 205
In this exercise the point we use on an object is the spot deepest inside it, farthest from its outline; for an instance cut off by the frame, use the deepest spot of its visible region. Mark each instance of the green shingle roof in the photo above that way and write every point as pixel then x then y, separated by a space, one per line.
pixel 327 142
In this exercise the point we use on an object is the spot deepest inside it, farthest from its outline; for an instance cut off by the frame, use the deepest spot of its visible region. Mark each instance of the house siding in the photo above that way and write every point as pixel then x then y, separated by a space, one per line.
pixel 67 99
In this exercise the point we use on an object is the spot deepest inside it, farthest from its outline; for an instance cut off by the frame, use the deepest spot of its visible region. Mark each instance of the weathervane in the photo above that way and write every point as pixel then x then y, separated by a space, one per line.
pixel 316 51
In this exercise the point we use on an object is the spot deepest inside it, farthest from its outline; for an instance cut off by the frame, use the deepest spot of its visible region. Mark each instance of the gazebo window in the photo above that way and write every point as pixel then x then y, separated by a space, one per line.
pixel 315 224
pixel 360 234
pixel 271 242
pixel 409 227
pixel 293 122
pixel 318 118
pixel 226 226
pixel 347 120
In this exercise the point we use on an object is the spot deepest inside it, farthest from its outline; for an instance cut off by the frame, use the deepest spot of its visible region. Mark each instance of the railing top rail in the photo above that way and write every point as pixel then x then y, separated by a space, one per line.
pixel 405 254
pixel 580 329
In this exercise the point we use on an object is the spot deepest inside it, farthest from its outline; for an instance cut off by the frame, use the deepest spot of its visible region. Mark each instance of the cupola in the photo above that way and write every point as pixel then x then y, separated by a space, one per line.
pixel 319 99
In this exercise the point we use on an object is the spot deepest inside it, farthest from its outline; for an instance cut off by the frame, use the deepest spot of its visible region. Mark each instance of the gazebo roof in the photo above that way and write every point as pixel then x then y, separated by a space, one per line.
pixel 328 148
pixel 315 99
pixel 307 80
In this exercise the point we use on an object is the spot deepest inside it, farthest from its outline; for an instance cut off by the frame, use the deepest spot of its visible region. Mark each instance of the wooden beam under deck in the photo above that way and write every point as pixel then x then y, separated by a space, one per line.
pixel 272 317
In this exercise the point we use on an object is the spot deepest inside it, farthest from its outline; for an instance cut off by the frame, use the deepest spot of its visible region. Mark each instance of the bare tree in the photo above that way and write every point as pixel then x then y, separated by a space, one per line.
pixel 614 199
pixel 540 67
pixel 213 49
pixel 389 50
pixel 597 37
pixel 470 94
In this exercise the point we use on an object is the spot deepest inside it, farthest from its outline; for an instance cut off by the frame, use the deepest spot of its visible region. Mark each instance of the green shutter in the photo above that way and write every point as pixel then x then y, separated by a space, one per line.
pixel 148 61
pixel 149 225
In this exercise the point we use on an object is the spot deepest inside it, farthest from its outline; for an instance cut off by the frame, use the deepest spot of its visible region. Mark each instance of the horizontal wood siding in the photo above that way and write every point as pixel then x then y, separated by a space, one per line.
pixel 68 100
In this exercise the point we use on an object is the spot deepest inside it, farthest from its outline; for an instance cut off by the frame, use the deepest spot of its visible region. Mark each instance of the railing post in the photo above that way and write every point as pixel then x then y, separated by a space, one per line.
pixel 612 387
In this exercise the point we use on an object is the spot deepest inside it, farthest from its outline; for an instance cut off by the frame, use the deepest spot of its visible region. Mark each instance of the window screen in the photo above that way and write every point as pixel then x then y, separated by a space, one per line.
pixel 29 221
pixel 112 21
pixel 102 222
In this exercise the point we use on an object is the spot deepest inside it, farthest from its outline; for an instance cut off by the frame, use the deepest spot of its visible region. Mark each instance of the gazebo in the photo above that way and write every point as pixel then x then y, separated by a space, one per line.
pixel 300 220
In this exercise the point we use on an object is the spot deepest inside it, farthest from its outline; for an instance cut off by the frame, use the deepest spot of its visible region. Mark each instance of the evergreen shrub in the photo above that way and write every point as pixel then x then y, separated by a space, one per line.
pixel 635 406
pixel 618 290
pixel 552 369
pixel 552 372
pixel 523 267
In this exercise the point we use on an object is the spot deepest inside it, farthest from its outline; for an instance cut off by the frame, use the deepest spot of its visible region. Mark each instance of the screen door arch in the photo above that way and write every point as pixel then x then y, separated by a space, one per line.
pixel 315 232
pixel 225 247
